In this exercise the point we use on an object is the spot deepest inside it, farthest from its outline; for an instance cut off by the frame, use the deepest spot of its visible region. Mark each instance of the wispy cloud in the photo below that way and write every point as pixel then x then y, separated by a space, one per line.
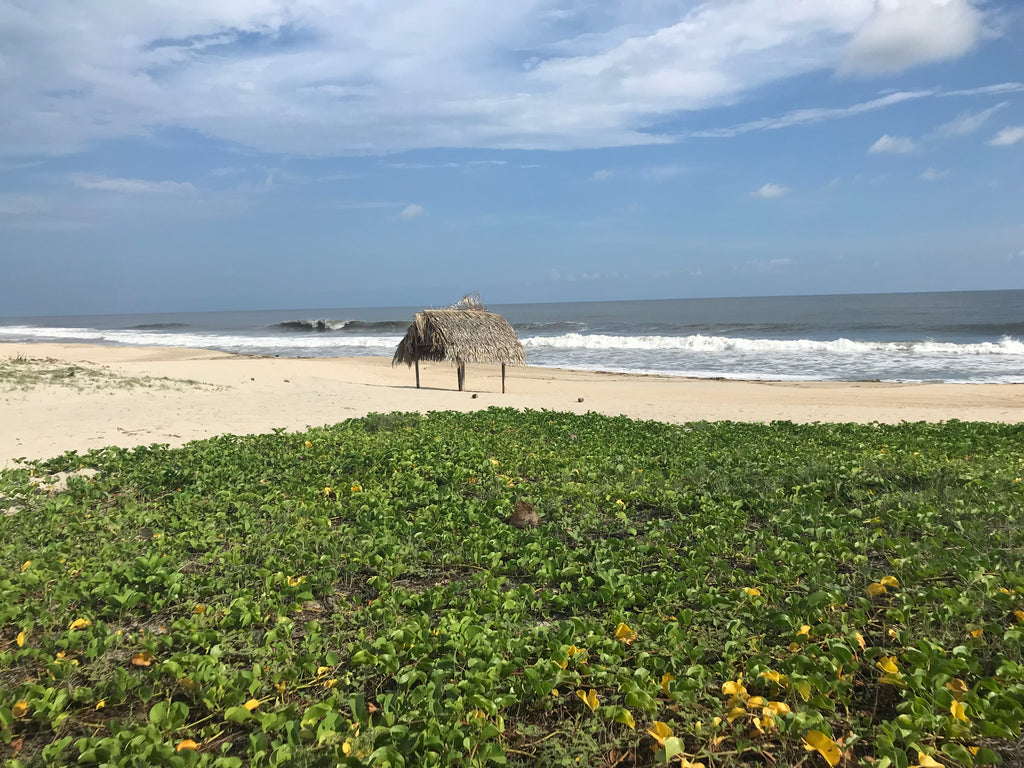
pixel 413 211
pixel 770 191
pixel 133 186
pixel 315 79
pixel 814 115
pixel 966 123
pixel 1007 136
pixel 602 174
pixel 899 145
pixel 934 174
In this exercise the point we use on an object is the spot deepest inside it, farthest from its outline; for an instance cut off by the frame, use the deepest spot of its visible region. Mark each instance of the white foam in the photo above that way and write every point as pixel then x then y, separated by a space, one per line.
pixel 713 344
pixel 199 340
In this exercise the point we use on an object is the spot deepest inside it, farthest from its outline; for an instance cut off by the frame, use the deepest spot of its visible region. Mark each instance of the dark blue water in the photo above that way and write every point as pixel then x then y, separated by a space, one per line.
pixel 964 336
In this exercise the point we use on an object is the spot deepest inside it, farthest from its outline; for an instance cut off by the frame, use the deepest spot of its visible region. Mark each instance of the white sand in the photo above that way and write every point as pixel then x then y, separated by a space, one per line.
pixel 244 395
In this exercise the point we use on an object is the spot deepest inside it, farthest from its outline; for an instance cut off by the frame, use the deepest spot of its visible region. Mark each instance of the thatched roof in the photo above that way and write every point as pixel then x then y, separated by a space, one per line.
pixel 456 336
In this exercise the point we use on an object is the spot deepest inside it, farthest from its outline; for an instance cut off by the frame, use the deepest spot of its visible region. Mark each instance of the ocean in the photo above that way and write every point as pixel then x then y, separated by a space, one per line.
pixel 969 336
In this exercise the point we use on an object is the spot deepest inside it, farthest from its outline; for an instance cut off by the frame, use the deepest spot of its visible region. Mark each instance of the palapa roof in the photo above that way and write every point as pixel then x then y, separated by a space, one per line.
pixel 460 335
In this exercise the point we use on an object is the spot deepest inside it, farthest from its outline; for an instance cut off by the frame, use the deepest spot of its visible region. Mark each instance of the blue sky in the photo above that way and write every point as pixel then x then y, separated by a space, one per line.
pixel 247 154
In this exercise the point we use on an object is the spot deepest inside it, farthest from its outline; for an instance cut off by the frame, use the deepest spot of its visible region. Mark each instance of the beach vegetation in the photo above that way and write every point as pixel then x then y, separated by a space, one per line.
pixel 25 373
pixel 710 594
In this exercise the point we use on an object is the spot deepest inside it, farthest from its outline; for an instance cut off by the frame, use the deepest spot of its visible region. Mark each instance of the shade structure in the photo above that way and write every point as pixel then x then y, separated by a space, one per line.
pixel 459 336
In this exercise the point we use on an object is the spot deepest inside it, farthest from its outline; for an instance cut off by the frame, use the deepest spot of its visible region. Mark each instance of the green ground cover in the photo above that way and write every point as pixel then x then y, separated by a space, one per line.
pixel 721 594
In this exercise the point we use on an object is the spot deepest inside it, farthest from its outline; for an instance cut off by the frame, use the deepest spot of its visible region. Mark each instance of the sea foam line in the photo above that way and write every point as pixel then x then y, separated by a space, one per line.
pixel 197 340
pixel 710 344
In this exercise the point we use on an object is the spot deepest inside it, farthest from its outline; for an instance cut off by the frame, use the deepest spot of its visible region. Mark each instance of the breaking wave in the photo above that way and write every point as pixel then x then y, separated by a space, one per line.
pixel 711 344
pixel 366 326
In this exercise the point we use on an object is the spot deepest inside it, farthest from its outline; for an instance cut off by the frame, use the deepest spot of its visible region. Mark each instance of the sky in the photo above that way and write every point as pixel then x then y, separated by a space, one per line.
pixel 190 155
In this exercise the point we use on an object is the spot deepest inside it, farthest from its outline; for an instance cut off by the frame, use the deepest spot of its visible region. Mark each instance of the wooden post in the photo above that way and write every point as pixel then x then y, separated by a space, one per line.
pixel 462 376
pixel 417 374
pixel 503 378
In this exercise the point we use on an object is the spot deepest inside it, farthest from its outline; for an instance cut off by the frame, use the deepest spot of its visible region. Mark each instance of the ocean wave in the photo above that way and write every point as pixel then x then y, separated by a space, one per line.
pixel 549 327
pixel 711 344
pixel 323 325
pixel 156 326
pixel 227 342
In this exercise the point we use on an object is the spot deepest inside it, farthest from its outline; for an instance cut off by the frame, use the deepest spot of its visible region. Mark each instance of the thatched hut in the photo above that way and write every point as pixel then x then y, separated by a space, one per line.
pixel 462 333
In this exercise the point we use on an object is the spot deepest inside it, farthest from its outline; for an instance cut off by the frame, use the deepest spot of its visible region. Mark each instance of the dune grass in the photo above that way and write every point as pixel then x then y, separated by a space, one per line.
pixel 25 373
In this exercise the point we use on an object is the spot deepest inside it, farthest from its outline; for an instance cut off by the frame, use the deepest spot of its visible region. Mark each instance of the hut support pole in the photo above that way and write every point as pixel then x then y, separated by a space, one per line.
pixel 462 376
pixel 417 374
pixel 503 378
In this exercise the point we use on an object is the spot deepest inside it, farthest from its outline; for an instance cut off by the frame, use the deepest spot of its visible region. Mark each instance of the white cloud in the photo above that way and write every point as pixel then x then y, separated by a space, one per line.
pixel 1007 136
pixel 133 186
pixel 966 123
pixel 904 33
pixel 815 115
pixel 601 175
pixel 769 191
pixel 413 211
pixel 899 145
pixel 315 79
pixel 934 174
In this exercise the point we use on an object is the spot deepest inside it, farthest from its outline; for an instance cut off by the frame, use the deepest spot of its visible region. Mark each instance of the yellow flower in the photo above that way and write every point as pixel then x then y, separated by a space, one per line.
pixel 860 640
pixel 779 679
pixel 778 708
pixel 977 632
pixel 752 591
pixel 294 581
pixel 735 688
pixel 80 624
pixel 327 490
pixel 356 487
pixel 958 711
pixel 876 588
pixel 665 680
pixel 186 744
pixel 589 698
pixel 888 665
pixel 924 761
pixel 20 639
pixel 346 748
pixel 20 709
pixel 805 631
pixel 625 634
pixel 1019 615
pixel 735 712
pixel 26 565
pixel 659 732
pixel 494 462
pixel 889 581
pixel 309 444
pixel 251 704
pixel 101 704
pixel 818 741
pixel 200 609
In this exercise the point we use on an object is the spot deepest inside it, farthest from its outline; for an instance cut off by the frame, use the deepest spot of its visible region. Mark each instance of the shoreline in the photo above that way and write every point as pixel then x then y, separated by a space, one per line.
pixel 243 394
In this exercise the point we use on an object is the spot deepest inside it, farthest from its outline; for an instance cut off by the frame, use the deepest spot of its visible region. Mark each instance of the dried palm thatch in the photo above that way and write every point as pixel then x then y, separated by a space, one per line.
pixel 458 335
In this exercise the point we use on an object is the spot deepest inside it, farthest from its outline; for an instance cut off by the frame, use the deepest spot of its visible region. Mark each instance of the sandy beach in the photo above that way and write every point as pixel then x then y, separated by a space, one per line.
pixel 144 395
